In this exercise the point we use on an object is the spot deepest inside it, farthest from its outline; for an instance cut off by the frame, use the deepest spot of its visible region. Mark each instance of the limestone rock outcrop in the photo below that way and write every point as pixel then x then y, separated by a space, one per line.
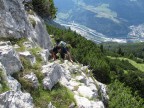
pixel 77 79
pixel 52 73
pixel 13 19
pixel 86 92
pixel 9 64
pixel 9 58
pixel 12 99
pixel 15 22
pixel 45 55
pixel 81 83
pixel 13 84
pixel 83 102
pixel 39 33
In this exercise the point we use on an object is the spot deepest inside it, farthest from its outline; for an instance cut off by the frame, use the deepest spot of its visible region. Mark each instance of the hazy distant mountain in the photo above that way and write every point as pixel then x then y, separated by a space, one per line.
pixel 111 18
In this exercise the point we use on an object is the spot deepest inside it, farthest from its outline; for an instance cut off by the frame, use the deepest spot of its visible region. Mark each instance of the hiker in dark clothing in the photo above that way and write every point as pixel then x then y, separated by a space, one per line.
pixel 54 51
pixel 63 50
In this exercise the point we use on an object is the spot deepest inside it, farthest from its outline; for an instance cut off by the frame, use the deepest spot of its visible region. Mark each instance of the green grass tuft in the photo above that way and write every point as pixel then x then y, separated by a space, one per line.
pixel 60 97
pixel 35 51
pixel 26 63
pixel 20 43
pixel 3 83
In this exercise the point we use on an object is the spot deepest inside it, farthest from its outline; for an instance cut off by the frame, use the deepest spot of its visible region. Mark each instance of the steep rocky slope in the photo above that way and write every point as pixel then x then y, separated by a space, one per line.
pixel 25 68
pixel 16 22
pixel 88 92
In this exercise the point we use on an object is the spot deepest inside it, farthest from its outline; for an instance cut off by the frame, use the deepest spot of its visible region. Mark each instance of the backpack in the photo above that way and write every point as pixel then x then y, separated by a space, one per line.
pixel 62 43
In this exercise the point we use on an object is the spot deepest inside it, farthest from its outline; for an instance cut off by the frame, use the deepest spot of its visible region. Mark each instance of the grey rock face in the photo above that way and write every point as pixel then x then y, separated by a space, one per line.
pixel 45 54
pixel 83 102
pixel 39 33
pixel 13 19
pixel 13 84
pixel 14 22
pixel 76 78
pixel 9 58
pixel 52 74
pixel 12 99
pixel 86 92
pixel 104 92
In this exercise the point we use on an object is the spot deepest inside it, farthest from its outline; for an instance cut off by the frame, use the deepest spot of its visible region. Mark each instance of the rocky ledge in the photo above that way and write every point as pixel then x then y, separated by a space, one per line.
pixel 88 92
pixel 77 78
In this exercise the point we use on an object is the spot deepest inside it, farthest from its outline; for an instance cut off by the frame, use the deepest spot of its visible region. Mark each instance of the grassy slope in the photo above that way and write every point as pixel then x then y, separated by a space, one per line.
pixel 136 65
pixel 60 97
pixel 3 83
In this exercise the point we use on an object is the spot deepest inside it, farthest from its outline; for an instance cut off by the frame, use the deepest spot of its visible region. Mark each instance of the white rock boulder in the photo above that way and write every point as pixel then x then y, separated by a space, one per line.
pixel 74 68
pixel 82 102
pixel 86 92
pixel 12 99
pixel 93 87
pixel 85 88
pixel 97 104
pixel 13 84
pixel 9 58
pixel 52 73
pixel 44 55
pixel 103 91
pixel 81 78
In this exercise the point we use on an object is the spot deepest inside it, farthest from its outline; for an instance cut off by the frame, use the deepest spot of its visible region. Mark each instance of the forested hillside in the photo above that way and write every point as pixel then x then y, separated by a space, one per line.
pixel 125 82
pixel 133 51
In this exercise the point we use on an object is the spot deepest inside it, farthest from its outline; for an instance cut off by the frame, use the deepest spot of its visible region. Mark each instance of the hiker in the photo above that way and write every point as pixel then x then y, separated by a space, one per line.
pixel 63 50
pixel 54 52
